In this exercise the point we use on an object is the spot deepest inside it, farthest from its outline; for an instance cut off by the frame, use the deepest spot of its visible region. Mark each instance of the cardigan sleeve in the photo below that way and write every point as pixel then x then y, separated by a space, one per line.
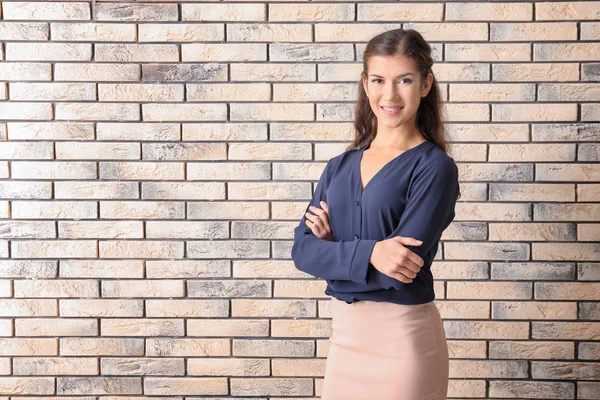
pixel 341 260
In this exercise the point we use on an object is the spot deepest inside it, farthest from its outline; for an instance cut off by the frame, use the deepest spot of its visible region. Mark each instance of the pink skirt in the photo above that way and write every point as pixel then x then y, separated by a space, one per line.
pixel 386 351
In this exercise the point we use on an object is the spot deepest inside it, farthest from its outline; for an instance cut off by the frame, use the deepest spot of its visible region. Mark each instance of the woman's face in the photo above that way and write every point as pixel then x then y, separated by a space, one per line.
pixel 394 89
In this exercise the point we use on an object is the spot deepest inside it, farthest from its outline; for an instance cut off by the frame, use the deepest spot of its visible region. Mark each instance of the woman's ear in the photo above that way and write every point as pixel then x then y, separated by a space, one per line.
pixel 427 83
pixel 365 85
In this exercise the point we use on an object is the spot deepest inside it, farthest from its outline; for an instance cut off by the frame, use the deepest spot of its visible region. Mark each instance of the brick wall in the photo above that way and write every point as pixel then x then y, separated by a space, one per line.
pixel 155 158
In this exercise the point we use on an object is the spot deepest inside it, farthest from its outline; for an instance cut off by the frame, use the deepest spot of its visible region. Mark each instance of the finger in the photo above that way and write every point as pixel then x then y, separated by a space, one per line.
pixel 408 241
pixel 415 258
pixel 401 278
pixel 318 211
pixel 325 207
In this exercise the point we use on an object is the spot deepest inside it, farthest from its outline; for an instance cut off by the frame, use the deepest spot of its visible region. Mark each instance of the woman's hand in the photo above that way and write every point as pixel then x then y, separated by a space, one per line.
pixel 391 258
pixel 318 222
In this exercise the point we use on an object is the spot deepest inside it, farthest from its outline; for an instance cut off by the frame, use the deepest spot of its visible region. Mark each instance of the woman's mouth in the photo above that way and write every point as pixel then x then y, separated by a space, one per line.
pixel 391 110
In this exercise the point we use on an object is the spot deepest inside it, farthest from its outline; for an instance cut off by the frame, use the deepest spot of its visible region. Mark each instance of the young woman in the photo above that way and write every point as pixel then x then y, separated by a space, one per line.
pixel 373 227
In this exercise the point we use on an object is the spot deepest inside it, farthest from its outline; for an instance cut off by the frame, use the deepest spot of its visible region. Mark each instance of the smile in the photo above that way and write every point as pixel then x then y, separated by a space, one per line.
pixel 391 110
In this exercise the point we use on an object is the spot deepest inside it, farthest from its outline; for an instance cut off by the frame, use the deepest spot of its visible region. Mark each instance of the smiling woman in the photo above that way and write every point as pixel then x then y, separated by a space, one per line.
pixel 373 227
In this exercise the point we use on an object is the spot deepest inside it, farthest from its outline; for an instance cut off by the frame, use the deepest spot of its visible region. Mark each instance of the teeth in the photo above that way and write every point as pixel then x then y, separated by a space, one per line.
pixel 391 108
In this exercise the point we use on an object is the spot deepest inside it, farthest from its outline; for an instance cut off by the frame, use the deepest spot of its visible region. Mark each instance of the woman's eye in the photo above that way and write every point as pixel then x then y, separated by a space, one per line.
pixel 407 80
pixel 375 80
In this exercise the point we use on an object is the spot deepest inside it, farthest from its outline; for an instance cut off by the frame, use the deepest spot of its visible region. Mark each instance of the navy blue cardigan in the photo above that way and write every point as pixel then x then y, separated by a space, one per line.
pixel 413 195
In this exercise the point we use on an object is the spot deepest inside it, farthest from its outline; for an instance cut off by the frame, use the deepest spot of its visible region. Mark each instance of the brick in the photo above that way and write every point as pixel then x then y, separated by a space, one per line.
pixel 96 72
pixel 25 71
pixel 54 209
pixel 187 269
pixel 96 32
pixel 229 288
pixel 566 251
pixel 588 232
pixel 566 52
pixel 56 288
pixel 55 366
pixel 184 112
pixel 185 386
pixel 48 51
pixel 95 190
pixel 314 92
pixel 488 52
pixel 467 112
pixel 547 390
pixel 295 328
pixel 450 32
pixel 228 249
pixel 273 348
pixel 135 12
pixel 53 91
pixel 488 369
pixel 492 212
pixel 489 12
pixel 187 308
pixel 99 385
pixel 272 111
pixel 137 52
pixel 98 151
pixel 140 249
pixel 228 210
pixel 187 347
pixel 463 309
pixel 183 190
pixel 487 132
pixel 28 307
pixel 26 385
pixel 101 268
pixel 272 32
pixel 140 92
pixel 228 367
pixel 272 386
pixel 589 31
pixel 227 328
pixel 590 112
pixel 26 111
pixel 101 347
pixel 24 150
pixel 46 11
pixel 566 10
pixel 534 310
pixel 462 270
pixel 98 111
pixel 228 92
pixel 137 131
pixel 538 31
pixel 567 291
pixel 532 192
pixel 224 132
pixel 272 72
pixel 27 269
pixel 311 52
pixel 494 92
pixel 28 347
pixel 50 131
pixel 181 32
pixel 531 350
pixel 184 72
pixel 141 209
pixel 588 271
pixel 534 112
pixel 262 230
pixel 223 12
pixel 588 351
pixel 273 308
pixel 589 311
pixel 532 232
pixel 566 212
pixel 270 151
pixel 311 12
pixel 54 249
pixel 25 190
pixel 101 308
pixel 140 327
pixel 568 172
pixel 141 171
pixel 187 230
pixel 487 251
pixel 222 171
pixel 565 132
pixel 535 72
pixel 146 288
pixel 223 52
pixel 142 366
pixel 268 191
pixel 568 92
pixel 23 31
pixel 55 327
pixel 184 151
pixel 349 32
pixel 396 12
pixel 486 330
pixel 100 229
pixel 489 290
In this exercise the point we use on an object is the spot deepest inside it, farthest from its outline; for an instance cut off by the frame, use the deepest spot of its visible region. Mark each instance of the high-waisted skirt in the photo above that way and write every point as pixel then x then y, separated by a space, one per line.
pixel 386 351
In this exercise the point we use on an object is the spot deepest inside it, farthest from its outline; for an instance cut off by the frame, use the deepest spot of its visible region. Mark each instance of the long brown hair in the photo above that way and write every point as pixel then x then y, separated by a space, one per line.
pixel 410 43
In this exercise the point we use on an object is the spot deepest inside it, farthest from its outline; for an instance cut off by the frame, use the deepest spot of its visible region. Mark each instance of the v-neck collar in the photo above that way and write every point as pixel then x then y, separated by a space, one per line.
pixel 361 190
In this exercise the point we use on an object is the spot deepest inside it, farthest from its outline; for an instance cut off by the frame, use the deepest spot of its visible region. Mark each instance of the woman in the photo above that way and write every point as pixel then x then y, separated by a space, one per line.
pixel 373 227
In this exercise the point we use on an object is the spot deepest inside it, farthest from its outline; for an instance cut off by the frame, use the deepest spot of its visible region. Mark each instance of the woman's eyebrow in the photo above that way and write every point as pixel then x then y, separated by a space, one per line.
pixel 399 76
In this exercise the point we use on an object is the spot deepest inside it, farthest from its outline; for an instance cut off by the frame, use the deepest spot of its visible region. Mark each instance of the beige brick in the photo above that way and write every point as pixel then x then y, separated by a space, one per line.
pixel 271 72
pixel 96 72
pixel 54 249
pixel 97 111
pixel 272 111
pixel 565 330
pixel 140 249
pixel 567 172
pixel 183 190
pixel 568 212
pixel 95 190
pixel 489 12
pixel 26 385
pixel 54 209
pixel 46 11
pixel 187 269
pixel 299 288
pixel 452 32
pixel 273 348
pixel 311 12
pixel 566 291
pixel 467 112
pixel 349 32
pixel 273 308
pixel 287 210
pixel 270 151
pixel 223 52
pixel 551 390
pixel 463 309
pixel 487 132
pixel 137 52
pixel 268 191
pixel 25 150
pixel 301 328
pixel 588 232
pixel 566 91
pixel 492 212
pixel 229 288
pixel 53 170
pixel 97 151
pixel 184 72
pixel 314 92
pixel 262 230
pixel 225 132
pixel 228 249
pixel 228 367
pixel 140 92
pixel 100 308
pixel 338 72
pixel 52 91
pixel 534 112
pixel 229 92
pixel 538 31
pixel 228 210
pixel 101 268
pixel 400 12
pixel 100 229
pixel 141 209
pixel 137 131
pixel 566 251
pixel 48 51
pixel 23 31
pixel 283 367
pixel 227 328
pixel 459 270
pixel 142 366
pixel 493 92
pixel 25 71
pixel 28 347
pixel 185 386
pixel 566 10
pixel 588 351
pixel 535 72
pixel 566 51
pixel 588 152
pixel 533 271
pixel 272 386
pixel 28 307
pixel 99 385
pixel 532 152
pixel 184 112
pixel 531 349
pixel 532 232
pixel 145 288
pixel 187 230
pixel 488 369
pixel 187 347
pixel 223 12
pixel 219 171
pixel 588 192
pixel 135 12
pixel 486 330
pixel 93 32
pixel 564 132
pixel 56 288
pixel 56 327
pixel 141 327
pixel 26 111
pixel 101 347
pixel 184 151
pixel 55 366
pixel 589 31
pixel 272 32
pixel 532 192
pixel 487 251
pixel 468 152
pixel 187 308
pixel 488 52
pixel 50 131
pixel 489 290
pixel 182 32
pixel 311 52
pixel 534 310
pixel 141 171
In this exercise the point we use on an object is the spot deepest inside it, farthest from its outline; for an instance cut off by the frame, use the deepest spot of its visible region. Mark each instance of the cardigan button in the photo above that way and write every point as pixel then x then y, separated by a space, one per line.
pixel 355 236
pixel 357 202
